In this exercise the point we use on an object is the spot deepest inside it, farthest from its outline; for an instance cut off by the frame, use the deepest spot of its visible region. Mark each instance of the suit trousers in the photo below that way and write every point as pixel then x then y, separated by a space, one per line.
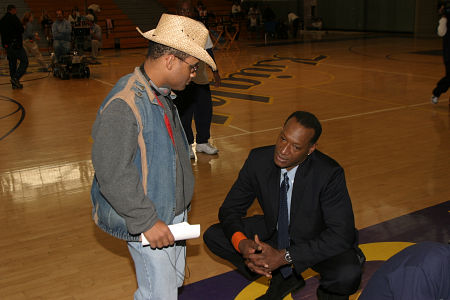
pixel 340 275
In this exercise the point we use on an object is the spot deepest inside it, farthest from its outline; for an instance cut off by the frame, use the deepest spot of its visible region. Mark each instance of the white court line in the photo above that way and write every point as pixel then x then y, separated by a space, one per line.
pixel 374 112
pixel 237 128
pixel 326 120
pixel 379 71
pixel 246 132
pixel 104 82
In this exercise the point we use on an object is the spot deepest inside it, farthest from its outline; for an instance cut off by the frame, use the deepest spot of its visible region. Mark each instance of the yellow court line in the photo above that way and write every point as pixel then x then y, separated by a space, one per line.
pixel 227 122
pixel 226 102
pixel 378 251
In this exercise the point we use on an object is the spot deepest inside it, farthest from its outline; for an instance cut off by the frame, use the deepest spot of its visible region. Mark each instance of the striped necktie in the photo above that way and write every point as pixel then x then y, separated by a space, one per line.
pixel 283 223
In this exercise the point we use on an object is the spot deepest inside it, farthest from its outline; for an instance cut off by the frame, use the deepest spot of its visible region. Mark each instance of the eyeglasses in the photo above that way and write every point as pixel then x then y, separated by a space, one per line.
pixel 194 68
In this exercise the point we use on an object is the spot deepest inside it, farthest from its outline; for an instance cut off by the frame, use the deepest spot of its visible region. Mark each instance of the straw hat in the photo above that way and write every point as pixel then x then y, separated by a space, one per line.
pixel 183 34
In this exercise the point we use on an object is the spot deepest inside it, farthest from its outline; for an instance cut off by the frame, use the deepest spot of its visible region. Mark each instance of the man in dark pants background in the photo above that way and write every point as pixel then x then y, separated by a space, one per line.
pixel 195 100
pixel 308 220
pixel 11 30
pixel 442 30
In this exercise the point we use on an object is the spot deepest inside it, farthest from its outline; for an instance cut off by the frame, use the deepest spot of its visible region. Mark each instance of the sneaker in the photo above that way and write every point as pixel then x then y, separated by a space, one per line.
pixel 191 152
pixel 434 99
pixel 206 148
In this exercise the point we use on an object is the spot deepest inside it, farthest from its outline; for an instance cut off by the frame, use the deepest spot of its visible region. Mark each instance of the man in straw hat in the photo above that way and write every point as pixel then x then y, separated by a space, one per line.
pixel 143 178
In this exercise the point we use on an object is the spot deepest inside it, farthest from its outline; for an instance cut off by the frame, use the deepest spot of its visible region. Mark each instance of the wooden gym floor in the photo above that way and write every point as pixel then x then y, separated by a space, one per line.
pixel 371 93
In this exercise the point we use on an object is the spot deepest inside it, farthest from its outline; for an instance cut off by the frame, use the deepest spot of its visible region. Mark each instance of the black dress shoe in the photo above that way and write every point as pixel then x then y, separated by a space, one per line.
pixel 16 84
pixel 324 295
pixel 280 287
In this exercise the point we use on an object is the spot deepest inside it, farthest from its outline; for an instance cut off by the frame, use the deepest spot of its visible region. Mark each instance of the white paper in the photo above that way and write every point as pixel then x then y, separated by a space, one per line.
pixel 181 231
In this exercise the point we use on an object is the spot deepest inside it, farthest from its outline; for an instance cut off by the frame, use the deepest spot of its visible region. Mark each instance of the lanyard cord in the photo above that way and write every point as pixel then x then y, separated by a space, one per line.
pixel 169 101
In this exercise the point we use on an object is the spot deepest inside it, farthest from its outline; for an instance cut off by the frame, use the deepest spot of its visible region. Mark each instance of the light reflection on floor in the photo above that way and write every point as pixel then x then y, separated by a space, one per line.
pixel 27 184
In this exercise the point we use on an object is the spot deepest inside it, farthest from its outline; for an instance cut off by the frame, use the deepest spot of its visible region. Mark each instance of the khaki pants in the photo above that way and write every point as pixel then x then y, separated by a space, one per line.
pixel 96 45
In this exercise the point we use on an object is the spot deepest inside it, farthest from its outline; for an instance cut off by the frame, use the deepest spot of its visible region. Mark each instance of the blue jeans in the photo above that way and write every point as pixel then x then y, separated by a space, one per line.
pixel 159 272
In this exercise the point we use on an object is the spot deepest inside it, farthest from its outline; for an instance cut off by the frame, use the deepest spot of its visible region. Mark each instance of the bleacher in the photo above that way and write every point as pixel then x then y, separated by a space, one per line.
pixel 125 16
pixel 21 7
pixel 222 26
pixel 123 35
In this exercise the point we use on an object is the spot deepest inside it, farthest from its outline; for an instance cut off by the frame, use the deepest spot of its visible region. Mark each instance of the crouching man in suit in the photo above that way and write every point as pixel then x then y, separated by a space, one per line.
pixel 308 219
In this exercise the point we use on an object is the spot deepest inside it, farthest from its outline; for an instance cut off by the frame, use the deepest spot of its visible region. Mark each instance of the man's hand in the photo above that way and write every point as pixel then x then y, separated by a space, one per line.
pixel 159 236
pixel 217 79
pixel 267 259
pixel 248 248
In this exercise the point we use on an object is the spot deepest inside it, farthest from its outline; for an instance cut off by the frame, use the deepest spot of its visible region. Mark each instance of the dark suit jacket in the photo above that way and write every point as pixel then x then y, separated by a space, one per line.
pixel 321 216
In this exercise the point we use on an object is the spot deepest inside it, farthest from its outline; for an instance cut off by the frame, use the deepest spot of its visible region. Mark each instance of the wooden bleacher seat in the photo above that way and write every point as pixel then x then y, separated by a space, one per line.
pixel 124 29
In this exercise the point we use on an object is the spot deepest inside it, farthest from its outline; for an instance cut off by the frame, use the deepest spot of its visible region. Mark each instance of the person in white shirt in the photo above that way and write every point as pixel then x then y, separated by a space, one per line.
pixel 195 100
pixel 293 23
pixel 96 37
pixel 236 10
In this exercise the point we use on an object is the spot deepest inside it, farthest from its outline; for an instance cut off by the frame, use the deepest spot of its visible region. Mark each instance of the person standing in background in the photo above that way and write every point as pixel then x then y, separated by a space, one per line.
pixel 442 30
pixel 62 35
pixel 293 20
pixel 74 16
pixel 96 38
pixel 11 31
pixel 196 102
pixel 30 36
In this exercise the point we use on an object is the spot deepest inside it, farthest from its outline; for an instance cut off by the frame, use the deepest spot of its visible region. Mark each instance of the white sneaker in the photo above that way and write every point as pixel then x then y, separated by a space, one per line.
pixel 434 99
pixel 191 152
pixel 206 148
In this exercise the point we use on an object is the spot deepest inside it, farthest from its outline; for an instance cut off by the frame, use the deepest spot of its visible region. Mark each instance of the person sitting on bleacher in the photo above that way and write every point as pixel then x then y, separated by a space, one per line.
pixel 254 20
pixel 62 34
pixel 202 13
pixel 74 17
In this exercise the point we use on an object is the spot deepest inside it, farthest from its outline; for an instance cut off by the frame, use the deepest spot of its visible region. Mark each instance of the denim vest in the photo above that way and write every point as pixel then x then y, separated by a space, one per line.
pixel 155 157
